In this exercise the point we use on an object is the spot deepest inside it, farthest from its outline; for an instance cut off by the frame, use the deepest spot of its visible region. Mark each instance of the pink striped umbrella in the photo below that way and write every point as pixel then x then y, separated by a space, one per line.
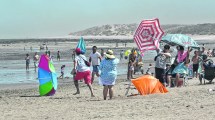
pixel 148 35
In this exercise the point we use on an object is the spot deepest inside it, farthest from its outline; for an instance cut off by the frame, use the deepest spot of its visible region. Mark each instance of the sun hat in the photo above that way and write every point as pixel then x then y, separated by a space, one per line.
pixel 109 54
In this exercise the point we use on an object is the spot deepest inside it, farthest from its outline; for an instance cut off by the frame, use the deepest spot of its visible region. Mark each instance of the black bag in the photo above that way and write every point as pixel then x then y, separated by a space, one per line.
pixel 86 62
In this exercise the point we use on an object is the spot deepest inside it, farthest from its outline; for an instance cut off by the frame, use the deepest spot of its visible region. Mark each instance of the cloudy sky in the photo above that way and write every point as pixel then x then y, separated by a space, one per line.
pixel 46 18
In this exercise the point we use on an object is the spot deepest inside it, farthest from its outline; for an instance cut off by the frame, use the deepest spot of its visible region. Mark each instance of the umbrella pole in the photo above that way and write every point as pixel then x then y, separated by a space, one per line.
pixel 128 88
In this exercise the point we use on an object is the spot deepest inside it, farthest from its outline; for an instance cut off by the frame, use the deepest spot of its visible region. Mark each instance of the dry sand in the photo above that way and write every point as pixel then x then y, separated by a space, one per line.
pixel 191 102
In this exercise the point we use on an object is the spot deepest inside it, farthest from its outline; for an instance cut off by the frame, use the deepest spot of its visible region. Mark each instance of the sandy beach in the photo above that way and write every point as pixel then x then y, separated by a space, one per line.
pixel 22 101
pixel 191 102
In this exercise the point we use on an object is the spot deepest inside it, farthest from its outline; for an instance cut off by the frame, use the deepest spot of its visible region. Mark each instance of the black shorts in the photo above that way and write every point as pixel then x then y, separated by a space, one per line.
pixel 159 74
pixel 195 67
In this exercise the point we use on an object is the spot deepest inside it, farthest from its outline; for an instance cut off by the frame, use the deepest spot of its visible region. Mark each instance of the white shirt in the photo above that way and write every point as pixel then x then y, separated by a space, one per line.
pixel 95 58
pixel 81 66
pixel 162 60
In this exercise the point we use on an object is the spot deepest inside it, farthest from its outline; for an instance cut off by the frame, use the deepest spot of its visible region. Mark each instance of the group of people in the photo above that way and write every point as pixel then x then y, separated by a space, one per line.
pixel 165 70
pixel 107 67
pixel 36 58
pixel 104 66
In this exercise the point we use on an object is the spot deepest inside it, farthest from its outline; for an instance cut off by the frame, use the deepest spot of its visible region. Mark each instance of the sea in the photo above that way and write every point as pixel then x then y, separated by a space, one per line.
pixel 14 71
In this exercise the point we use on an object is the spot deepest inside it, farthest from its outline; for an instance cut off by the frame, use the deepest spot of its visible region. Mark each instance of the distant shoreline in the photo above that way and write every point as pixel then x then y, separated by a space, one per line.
pixel 202 39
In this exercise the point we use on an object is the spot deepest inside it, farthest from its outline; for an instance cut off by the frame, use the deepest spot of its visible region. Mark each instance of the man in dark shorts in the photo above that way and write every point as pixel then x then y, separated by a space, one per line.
pixel 160 64
pixel 195 60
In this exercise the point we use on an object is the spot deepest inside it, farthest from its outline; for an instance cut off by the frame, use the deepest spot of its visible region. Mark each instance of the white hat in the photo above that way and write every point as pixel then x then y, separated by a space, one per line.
pixel 109 54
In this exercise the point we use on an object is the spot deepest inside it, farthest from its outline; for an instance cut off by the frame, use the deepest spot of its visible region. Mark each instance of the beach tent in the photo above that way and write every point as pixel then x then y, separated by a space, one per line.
pixel 47 77
pixel 147 84
pixel 82 45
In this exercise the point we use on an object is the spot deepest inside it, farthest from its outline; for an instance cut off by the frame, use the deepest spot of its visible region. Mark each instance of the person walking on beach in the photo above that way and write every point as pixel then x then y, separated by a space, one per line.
pixel 58 55
pixel 81 71
pixel 36 59
pixel 27 60
pixel 160 64
pixel 121 54
pixel 195 60
pixel 108 75
pixel 62 71
pixel 95 58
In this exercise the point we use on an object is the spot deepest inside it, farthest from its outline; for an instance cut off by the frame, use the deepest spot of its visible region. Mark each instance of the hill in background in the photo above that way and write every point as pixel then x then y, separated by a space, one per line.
pixel 129 29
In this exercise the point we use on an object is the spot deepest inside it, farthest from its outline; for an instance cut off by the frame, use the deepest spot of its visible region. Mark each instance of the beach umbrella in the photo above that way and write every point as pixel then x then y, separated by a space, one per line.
pixel 47 77
pixel 82 45
pixel 148 35
pixel 179 39
pixel 148 84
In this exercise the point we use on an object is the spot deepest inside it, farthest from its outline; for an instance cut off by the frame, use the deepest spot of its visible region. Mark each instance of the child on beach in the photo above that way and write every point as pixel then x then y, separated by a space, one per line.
pixel 62 71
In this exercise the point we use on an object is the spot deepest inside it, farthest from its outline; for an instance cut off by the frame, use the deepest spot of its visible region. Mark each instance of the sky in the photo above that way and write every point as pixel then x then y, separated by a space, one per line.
pixel 49 18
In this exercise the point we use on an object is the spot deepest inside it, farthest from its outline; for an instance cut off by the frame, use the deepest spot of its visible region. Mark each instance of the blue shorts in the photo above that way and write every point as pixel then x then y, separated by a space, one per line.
pixel 95 68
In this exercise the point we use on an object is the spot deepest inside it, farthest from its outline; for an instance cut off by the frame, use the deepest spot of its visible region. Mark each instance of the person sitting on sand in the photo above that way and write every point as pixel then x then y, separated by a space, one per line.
pixel 62 71
pixel 180 70
pixel 27 59
pixel 82 71
pixel 108 75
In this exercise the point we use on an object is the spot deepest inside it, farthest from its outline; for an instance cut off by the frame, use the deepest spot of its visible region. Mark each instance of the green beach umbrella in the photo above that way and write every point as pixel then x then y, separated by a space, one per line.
pixel 179 39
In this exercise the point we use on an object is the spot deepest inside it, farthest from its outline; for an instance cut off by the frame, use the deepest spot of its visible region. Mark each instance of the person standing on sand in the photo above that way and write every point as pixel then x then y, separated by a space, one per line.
pixel 95 58
pixel 58 55
pixel 195 60
pixel 81 71
pixel 160 64
pixel 50 56
pixel 203 52
pixel 121 54
pixel 27 60
pixel 73 55
pixel 36 59
pixel 108 75
pixel 131 63
pixel 102 53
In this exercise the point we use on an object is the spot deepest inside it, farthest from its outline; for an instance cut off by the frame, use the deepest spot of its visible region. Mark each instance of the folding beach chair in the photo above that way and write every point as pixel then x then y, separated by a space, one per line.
pixel 209 71
pixel 130 86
